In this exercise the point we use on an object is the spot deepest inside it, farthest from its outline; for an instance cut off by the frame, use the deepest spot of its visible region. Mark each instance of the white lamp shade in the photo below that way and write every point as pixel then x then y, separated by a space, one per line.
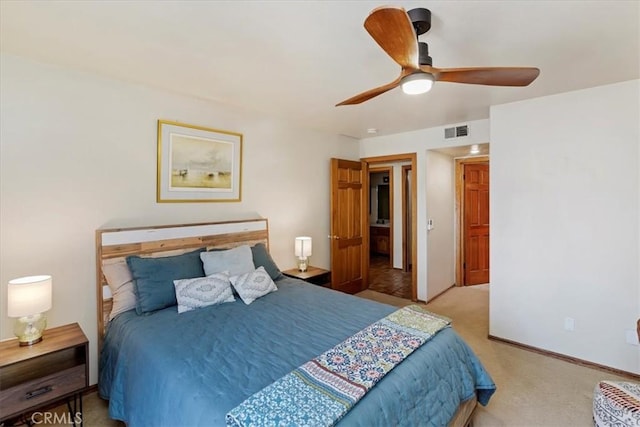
pixel 29 295
pixel 303 246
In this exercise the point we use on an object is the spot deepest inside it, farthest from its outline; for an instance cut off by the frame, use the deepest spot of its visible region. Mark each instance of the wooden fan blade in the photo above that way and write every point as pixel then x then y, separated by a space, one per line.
pixel 392 29
pixel 372 93
pixel 490 76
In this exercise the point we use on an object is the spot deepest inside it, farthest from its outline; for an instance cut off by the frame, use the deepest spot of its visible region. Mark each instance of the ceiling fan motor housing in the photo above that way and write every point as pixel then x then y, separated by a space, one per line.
pixel 423 55
pixel 421 19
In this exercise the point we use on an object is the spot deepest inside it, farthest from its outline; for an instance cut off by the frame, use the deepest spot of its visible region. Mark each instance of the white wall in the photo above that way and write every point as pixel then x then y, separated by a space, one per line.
pixel 78 152
pixel 440 192
pixel 419 142
pixel 564 222
pixel 398 254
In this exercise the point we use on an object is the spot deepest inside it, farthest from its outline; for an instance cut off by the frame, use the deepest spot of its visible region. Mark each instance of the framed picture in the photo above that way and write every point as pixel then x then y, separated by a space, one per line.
pixel 198 164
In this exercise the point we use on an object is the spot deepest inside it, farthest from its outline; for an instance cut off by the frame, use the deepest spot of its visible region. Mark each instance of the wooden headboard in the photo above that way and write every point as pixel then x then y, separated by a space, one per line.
pixel 154 241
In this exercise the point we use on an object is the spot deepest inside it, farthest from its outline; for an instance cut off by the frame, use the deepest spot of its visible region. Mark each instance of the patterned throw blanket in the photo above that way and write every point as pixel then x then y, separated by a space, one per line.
pixel 323 390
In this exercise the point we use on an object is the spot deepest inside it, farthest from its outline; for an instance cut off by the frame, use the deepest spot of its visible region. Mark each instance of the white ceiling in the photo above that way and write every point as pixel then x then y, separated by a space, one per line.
pixel 297 59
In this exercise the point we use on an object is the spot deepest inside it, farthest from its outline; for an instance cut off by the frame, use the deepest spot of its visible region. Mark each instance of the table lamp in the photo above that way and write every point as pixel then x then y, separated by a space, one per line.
pixel 27 300
pixel 303 251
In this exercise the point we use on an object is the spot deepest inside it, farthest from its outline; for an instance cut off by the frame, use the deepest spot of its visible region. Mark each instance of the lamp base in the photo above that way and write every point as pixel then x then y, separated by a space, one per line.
pixel 28 343
pixel 29 329
pixel 302 264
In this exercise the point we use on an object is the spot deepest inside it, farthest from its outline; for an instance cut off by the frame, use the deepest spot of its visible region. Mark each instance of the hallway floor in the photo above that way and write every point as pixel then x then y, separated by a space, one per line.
pixel 385 279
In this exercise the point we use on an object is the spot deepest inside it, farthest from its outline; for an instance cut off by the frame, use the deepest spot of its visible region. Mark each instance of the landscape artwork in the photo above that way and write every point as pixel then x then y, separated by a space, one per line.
pixel 198 164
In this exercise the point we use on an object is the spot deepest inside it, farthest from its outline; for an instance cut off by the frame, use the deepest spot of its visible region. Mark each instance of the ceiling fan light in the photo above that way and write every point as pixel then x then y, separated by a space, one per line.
pixel 417 83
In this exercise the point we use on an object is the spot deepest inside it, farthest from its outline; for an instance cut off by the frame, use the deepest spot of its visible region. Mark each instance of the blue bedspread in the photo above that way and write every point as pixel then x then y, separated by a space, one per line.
pixel 190 369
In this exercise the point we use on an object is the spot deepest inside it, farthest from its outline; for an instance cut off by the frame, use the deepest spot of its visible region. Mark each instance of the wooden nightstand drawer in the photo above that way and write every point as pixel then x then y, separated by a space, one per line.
pixel 33 377
pixel 16 399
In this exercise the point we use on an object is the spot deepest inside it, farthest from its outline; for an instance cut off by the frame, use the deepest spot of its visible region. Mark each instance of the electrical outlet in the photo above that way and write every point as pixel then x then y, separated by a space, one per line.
pixel 632 337
pixel 569 323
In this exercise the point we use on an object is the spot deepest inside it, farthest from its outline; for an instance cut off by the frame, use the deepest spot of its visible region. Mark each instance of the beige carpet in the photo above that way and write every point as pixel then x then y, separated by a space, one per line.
pixel 533 390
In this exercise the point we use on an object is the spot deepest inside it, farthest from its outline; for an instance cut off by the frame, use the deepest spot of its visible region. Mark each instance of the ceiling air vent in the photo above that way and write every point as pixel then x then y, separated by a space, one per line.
pixel 456 132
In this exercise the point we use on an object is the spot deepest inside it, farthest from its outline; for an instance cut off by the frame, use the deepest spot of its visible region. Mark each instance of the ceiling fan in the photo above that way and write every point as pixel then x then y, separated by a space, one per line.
pixel 396 31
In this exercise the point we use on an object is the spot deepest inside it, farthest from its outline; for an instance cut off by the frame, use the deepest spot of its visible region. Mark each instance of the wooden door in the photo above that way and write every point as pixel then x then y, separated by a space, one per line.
pixel 349 226
pixel 476 223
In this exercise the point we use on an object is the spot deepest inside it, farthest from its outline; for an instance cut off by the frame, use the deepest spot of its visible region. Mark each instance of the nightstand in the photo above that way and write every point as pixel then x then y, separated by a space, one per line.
pixel 52 370
pixel 314 275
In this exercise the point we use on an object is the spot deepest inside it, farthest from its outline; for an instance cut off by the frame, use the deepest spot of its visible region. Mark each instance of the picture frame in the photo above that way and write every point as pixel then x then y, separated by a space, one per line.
pixel 198 164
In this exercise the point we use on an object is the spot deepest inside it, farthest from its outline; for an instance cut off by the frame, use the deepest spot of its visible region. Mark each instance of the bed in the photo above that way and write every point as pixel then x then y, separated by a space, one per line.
pixel 192 368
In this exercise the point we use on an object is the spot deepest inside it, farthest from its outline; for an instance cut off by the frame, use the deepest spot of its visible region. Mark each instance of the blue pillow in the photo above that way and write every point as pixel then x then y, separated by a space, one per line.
pixel 235 261
pixel 261 257
pixel 153 278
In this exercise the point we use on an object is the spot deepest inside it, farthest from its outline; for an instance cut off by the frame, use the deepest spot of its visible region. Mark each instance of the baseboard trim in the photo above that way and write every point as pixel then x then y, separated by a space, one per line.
pixel 91 389
pixel 566 358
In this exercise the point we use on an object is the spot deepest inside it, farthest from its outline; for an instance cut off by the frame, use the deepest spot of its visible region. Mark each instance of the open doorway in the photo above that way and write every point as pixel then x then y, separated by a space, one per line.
pixel 445 215
pixel 381 216
pixel 392 241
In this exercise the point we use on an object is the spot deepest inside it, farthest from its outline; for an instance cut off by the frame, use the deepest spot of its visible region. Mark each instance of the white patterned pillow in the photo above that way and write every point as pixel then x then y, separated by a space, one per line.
pixel 203 291
pixel 251 286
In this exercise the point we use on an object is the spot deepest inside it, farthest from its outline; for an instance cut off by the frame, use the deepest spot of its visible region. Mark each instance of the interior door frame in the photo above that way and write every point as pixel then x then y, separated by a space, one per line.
pixel 405 215
pixel 412 158
pixel 459 172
